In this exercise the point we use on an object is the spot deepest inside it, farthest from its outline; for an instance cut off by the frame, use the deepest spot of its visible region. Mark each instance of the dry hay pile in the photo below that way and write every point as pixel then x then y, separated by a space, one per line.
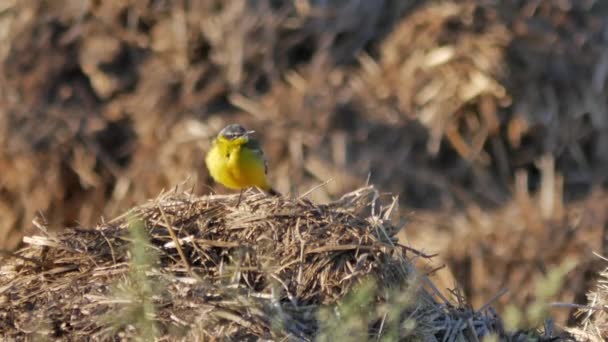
pixel 496 87
pixel 260 270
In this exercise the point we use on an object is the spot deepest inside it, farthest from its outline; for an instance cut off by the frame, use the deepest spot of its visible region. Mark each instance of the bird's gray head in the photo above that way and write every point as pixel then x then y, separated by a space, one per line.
pixel 234 131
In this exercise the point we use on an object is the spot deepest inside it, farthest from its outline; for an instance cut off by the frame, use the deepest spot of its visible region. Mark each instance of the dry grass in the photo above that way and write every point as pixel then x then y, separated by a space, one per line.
pixel 263 269
pixel 594 323
pixel 95 97
pixel 104 104
pixel 517 245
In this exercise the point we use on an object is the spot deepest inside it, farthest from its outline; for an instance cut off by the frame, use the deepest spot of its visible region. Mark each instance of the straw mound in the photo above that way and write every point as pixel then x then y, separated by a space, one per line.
pixel 246 267
pixel 594 325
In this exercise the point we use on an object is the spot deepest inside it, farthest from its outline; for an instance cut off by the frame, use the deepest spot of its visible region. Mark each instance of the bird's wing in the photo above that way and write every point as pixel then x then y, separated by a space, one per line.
pixel 256 148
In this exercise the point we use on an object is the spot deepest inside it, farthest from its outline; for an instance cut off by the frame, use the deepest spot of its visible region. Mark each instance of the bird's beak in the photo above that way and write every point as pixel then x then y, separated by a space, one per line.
pixel 250 132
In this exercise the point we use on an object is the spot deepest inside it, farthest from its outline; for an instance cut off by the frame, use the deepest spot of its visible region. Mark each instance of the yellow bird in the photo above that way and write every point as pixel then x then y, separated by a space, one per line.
pixel 237 161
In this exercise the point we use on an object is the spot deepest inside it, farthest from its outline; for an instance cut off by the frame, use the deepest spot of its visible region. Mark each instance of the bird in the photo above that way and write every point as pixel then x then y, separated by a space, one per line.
pixel 236 160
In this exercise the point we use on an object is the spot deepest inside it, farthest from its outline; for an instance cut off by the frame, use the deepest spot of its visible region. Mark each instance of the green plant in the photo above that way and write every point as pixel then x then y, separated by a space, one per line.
pixel 134 294
pixel 369 312
pixel 535 313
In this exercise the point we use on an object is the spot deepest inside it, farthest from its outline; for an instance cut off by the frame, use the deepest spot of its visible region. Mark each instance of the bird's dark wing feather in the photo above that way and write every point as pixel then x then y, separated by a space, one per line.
pixel 255 146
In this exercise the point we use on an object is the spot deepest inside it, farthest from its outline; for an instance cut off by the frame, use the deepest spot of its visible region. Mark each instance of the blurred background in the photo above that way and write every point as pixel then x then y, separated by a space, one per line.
pixel 488 119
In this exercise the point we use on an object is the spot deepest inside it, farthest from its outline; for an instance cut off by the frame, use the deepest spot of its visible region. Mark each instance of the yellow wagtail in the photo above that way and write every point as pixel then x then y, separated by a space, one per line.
pixel 237 161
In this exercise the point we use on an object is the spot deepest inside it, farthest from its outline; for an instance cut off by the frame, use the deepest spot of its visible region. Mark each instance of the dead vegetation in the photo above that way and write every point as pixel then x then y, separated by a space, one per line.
pixel 113 101
pixel 594 325
pixel 214 270
pixel 517 245
pixel 105 103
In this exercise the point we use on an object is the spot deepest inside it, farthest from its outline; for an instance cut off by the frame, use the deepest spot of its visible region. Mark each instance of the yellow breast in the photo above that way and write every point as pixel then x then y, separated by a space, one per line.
pixel 233 165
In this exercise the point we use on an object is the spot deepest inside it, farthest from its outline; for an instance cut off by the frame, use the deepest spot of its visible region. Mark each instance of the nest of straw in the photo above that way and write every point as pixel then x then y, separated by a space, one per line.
pixel 262 269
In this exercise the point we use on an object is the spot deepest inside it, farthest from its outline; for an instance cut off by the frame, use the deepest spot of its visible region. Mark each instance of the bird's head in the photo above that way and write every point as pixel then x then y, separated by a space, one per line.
pixel 235 133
